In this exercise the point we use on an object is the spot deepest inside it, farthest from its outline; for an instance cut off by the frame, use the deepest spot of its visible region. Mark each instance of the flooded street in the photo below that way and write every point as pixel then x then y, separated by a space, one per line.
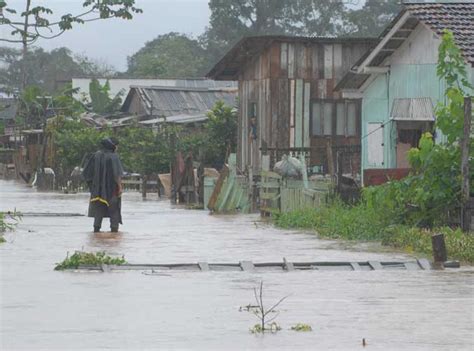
pixel 45 309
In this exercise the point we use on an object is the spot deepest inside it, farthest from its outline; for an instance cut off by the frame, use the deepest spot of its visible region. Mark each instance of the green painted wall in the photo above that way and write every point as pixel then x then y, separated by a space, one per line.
pixel 403 81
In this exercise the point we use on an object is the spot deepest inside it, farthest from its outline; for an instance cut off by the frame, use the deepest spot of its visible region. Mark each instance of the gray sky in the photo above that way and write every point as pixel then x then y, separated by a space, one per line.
pixel 113 40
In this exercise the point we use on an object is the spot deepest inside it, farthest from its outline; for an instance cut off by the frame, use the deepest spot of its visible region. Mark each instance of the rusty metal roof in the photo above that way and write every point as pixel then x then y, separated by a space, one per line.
pixel 170 101
pixel 229 67
pixel 413 109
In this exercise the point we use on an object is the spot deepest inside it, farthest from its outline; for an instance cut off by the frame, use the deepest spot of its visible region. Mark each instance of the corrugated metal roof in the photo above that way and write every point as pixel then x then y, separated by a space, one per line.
pixel 412 109
pixel 229 67
pixel 179 119
pixel 165 101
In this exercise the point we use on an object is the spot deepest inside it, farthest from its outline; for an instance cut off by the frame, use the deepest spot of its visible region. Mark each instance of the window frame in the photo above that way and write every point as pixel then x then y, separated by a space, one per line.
pixel 335 102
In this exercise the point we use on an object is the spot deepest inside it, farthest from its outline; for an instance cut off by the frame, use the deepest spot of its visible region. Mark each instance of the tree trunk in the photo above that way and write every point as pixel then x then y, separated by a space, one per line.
pixel 24 40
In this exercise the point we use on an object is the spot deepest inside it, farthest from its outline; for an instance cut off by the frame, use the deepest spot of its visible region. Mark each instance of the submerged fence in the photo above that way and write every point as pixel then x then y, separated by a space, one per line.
pixel 277 194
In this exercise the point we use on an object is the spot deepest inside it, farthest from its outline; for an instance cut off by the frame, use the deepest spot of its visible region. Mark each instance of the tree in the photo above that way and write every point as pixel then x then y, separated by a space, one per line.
pixel 36 22
pixel 231 20
pixel 169 55
pixel 101 102
pixel 371 19
pixel 48 70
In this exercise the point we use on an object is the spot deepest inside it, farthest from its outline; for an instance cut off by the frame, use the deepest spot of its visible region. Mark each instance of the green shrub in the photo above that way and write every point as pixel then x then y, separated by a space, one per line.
pixel 338 221
pixel 89 259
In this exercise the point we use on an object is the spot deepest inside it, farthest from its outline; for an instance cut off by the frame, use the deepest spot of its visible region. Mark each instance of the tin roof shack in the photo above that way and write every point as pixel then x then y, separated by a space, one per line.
pixel 155 105
pixel 286 98
pixel 398 83
pixel 124 85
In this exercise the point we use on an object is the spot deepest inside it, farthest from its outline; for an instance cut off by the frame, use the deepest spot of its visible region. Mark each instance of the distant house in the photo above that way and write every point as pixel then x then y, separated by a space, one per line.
pixel 286 98
pixel 8 111
pixel 398 84
pixel 123 85
pixel 153 105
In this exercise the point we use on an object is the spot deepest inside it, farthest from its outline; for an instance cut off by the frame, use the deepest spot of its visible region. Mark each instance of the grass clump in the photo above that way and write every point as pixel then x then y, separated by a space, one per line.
pixel 364 223
pixel 2 239
pixel 89 259
pixel 301 327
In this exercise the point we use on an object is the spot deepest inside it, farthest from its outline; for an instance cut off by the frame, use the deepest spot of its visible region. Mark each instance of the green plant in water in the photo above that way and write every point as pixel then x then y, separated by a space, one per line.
pixel 302 327
pixel 88 259
pixel 259 310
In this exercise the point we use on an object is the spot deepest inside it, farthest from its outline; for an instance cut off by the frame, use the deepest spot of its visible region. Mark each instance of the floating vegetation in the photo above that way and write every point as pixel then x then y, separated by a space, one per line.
pixel 272 327
pixel 301 327
pixel 90 259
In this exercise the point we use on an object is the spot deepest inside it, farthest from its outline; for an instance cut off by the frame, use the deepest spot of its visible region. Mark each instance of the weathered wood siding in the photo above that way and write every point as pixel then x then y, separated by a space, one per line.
pixel 283 81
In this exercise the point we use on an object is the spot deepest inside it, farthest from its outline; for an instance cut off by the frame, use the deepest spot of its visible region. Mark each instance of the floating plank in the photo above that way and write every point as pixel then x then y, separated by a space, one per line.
pixel 247 266
pixel 356 266
pixel 288 266
pixel 412 266
pixel 203 266
pixel 451 264
pixel 375 265
pixel 285 265
pixel 424 263
pixel 47 214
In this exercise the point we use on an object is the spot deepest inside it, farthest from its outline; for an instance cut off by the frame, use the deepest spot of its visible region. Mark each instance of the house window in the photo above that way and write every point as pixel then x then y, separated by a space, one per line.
pixel 339 116
pixel 252 112
pixel 316 127
pixel 327 117
pixel 340 119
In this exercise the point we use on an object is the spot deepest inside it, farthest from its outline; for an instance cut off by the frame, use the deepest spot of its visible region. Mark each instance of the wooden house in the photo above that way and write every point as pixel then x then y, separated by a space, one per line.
pixel 287 102
pixel 398 84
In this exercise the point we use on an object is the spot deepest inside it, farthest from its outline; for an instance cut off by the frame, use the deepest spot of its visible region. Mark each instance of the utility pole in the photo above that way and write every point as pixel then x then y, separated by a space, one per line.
pixel 465 141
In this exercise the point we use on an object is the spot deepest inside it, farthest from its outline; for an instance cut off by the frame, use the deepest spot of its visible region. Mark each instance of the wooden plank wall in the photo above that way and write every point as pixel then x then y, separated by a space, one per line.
pixel 282 81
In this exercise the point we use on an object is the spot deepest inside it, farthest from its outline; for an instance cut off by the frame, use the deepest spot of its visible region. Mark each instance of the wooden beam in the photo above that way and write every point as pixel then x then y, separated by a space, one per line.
pixel 384 41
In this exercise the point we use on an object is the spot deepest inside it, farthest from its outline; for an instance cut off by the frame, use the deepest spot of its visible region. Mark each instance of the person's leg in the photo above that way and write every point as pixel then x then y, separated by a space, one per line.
pixel 114 212
pixel 97 222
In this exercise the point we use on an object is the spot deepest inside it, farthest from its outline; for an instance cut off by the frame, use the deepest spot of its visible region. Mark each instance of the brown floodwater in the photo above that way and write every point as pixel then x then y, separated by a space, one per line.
pixel 45 309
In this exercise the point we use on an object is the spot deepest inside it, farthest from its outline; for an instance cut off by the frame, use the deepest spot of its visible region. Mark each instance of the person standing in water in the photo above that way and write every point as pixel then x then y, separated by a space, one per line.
pixel 103 173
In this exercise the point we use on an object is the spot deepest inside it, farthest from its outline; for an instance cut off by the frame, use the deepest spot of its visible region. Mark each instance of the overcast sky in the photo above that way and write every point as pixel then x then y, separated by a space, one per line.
pixel 113 40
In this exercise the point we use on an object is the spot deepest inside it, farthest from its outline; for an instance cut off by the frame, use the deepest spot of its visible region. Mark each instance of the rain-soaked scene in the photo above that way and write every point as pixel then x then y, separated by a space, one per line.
pixel 236 175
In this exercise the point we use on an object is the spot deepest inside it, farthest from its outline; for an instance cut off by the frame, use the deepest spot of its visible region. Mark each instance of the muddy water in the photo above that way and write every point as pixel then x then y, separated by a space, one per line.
pixel 44 309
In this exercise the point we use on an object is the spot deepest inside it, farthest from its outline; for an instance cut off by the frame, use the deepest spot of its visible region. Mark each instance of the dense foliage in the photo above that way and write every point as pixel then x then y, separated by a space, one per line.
pixel 88 259
pixel 47 70
pixel 169 55
pixel 144 151
pixel 360 222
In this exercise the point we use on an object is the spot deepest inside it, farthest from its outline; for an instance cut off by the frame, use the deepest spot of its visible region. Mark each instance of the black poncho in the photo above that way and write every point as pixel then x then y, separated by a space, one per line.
pixel 100 172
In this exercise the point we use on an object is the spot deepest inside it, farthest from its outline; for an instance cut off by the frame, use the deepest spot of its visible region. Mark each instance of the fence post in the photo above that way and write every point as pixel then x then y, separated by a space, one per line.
pixel 465 210
pixel 144 186
pixel 439 250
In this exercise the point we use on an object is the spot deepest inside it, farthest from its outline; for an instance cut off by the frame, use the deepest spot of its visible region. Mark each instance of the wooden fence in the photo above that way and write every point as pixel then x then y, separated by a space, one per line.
pixel 284 195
